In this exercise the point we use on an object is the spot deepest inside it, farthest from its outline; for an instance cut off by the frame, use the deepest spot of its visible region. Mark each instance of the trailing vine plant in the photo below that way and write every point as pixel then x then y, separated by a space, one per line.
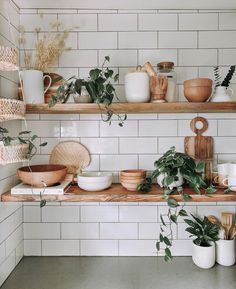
pixel 169 168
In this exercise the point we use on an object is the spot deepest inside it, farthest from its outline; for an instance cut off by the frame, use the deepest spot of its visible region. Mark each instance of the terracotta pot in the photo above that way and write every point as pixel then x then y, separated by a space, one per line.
pixel 37 175
pixel 197 90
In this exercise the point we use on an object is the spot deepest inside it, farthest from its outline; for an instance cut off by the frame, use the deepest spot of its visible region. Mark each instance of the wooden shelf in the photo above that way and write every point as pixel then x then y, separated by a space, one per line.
pixel 177 107
pixel 118 194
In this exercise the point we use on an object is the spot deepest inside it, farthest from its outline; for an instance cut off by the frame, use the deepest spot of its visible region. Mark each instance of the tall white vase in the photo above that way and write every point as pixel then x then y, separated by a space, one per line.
pixel 225 252
pixel 204 257
pixel 33 86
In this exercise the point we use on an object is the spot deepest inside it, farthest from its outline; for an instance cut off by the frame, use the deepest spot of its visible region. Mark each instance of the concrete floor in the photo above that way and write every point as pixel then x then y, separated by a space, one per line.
pixel 117 273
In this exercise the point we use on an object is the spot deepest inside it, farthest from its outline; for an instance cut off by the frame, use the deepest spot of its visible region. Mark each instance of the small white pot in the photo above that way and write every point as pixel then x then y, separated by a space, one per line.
pixel 204 257
pixel 221 94
pixel 172 185
pixel 225 252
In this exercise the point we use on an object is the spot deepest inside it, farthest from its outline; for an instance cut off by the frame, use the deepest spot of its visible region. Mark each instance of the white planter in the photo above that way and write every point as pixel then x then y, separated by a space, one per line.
pixel 172 185
pixel 204 257
pixel 225 252
pixel 221 94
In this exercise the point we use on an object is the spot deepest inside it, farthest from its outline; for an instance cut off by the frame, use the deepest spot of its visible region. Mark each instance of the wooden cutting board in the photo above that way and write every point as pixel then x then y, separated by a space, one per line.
pixel 199 147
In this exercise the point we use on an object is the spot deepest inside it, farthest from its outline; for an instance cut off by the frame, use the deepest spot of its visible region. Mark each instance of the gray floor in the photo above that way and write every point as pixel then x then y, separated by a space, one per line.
pixel 117 273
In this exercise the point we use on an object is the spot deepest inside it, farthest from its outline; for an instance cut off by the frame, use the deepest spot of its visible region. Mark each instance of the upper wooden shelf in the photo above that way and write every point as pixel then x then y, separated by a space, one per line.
pixel 118 194
pixel 175 107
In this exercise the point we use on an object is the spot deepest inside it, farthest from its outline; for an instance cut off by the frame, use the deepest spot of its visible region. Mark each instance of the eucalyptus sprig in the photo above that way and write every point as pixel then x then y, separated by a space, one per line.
pixel 170 165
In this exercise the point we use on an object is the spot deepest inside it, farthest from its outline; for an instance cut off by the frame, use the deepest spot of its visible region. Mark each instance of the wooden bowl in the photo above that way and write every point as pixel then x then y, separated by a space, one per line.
pixel 197 90
pixel 37 175
pixel 133 173
pixel 130 186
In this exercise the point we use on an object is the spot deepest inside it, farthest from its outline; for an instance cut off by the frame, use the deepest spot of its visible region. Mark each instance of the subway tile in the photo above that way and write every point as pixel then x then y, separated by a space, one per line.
pixel 79 129
pixel 60 214
pixel 138 145
pixel 71 58
pixel 118 162
pixel 219 39
pixel 44 128
pixel 166 142
pixel 226 56
pixel 182 247
pixel 157 22
pixel 130 128
pixel 138 214
pixel 7 267
pixel 182 234
pixel 80 231
pixel 150 231
pixel 226 158
pixel 32 214
pixel 163 210
pixel 197 57
pixel 14 240
pixel 157 127
pixel 218 115
pixel 146 162
pixel 60 248
pixel 201 21
pixel 8 208
pixel 178 39
pixel 99 214
pixel 227 21
pixel 41 231
pixel 31 22
pixel 97 40
pixel 94 163
pixel 32 248
pixel 225 145
pixel 99 248
pixel 137 39
pixel 177 116
pixel 19 251
pixel 185 130
pixel 227 127
pixel 137 248
pixel 184 73
pixel 101 145
pixel 118 231
pixel 51 143
pixel 118 22
pixel 2 252
pixel 81 22
pixel 155 56
pixel 119 57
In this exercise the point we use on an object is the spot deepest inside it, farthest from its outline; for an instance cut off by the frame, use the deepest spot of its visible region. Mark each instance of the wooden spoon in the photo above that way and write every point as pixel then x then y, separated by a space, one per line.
pixel 227 222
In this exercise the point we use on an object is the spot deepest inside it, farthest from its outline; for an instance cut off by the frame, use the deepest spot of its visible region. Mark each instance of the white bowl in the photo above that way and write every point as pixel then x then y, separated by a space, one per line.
pixel 94 181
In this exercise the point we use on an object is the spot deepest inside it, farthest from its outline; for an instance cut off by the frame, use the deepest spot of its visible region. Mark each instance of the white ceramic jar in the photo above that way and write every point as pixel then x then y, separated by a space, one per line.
pixel 221 94
pixel 225 252
pixel 204 257
pixel 137 87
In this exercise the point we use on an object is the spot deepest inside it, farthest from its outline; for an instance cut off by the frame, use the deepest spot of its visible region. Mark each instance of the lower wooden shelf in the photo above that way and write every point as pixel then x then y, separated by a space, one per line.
pixel 118 194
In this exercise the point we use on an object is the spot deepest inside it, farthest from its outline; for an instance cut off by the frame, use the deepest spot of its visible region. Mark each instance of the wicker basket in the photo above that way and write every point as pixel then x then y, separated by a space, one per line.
pixel 13 153
pixel 8 58
pixel 11 109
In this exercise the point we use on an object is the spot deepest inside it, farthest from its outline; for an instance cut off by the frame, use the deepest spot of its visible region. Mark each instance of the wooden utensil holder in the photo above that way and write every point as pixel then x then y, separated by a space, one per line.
pixel 158 86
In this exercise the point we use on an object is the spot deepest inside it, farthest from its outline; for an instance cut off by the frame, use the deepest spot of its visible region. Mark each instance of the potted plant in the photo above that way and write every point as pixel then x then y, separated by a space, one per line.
pixel 172 171
pixel 222 87
pixel 99 86
pixel 205 235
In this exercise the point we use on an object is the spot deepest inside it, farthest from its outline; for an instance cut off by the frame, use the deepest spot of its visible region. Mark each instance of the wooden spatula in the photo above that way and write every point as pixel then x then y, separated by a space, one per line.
pixel 227 222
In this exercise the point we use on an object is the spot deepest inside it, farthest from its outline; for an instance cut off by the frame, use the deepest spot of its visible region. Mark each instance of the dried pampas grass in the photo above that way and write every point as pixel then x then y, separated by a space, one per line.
pixel 47 48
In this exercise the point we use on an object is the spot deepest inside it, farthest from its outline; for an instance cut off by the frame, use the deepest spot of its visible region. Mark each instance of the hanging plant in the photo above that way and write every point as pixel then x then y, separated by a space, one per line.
pixel 172 170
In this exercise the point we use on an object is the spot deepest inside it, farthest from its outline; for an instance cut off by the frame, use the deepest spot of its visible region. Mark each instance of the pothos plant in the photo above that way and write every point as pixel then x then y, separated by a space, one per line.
pixel 170 167
pixel 23 137
pixel 100 88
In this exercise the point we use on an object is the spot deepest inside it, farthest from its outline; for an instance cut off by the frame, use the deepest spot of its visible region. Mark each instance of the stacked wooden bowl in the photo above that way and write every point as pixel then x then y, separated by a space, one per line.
pixel 130 179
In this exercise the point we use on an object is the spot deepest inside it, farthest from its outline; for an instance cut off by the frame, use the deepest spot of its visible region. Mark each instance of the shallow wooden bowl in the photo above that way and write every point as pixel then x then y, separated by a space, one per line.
pixel 38 175
pixel 130 186
pixel 133 173
pixel 197 90
pixel 132 181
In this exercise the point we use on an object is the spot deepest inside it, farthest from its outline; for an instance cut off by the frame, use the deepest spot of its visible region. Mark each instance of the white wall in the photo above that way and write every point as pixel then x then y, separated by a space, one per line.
pixel 11 227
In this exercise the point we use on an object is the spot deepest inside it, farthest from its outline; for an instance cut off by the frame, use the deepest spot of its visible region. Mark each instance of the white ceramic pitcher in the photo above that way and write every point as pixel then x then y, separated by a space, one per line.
pixel 33 86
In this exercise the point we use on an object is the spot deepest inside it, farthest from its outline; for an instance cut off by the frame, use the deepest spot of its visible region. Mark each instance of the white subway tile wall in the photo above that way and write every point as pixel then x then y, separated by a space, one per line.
pixel 196 41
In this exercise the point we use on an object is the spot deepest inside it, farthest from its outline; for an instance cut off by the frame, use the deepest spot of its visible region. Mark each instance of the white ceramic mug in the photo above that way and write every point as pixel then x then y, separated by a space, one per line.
pixel 33 86
pixel 225 252
pixel 230 182
pixel 223 169
pixel 232 169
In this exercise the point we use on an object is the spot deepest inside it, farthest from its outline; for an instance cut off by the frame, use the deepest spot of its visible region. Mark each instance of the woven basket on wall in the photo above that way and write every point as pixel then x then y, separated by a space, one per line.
pixel 11 109
pixel 13 153
pixel 8 58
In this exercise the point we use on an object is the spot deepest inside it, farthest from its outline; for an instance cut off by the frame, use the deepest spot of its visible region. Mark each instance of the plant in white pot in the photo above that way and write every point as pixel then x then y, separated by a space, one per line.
pixel 205 235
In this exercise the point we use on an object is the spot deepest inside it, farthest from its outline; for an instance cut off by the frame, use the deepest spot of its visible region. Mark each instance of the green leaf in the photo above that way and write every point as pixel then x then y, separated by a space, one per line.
pixel 172 203
pixel 161 237
pixel 173 218
pixel 186 197
pixel 22 140
pixel 43 203
pixel 107 58
pixel 183 213
pixel 169 180
pixel 25 132
pixel 200 167
pixel 158 246
pixel 116 77
pixel 211 189
pixel 162 221
pixel 167 241
pixel 168 254
pixel 43 144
